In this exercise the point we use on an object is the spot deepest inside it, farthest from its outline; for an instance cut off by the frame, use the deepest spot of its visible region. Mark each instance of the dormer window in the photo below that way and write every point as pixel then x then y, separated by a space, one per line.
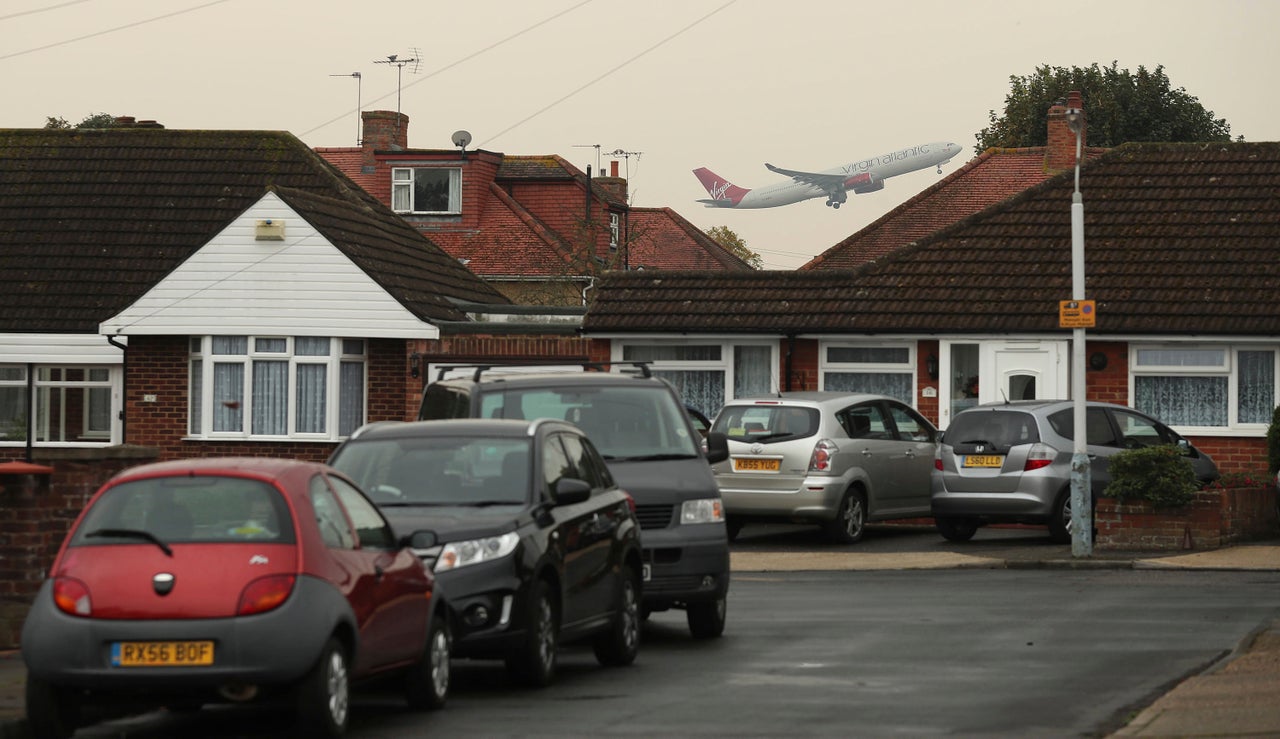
pixel 427 190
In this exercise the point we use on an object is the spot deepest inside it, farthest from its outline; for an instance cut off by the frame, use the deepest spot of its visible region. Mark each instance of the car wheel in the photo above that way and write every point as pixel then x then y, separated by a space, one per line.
pixel 619 645
pixel 851 519
pixel 733 527
pixel 427 684
pixel 1060 518
pixel 534 663
pixel 52 711
pixel 706 618
pixel 956 529
pixel 324 695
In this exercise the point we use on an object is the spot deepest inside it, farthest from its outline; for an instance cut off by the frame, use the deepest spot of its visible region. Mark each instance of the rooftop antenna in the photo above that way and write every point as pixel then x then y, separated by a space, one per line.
pixel 626 155
pixel 591 146
pixel 358 101
pixel 399 64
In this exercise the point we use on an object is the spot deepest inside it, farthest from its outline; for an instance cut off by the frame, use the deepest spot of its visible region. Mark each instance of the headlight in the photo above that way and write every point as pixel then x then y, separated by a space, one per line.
pixel 703 510
pixel 457 554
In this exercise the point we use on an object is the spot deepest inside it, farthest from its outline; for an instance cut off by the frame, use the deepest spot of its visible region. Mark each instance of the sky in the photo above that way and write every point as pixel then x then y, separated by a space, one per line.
pixel 662 87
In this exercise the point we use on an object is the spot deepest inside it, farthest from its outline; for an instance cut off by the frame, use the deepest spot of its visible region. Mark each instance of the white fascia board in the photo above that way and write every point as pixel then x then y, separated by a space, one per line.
pixel 302 285
pixel 61 349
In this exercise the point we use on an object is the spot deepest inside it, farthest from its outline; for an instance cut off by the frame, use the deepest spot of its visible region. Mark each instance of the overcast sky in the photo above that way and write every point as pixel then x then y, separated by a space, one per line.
pixel 676 84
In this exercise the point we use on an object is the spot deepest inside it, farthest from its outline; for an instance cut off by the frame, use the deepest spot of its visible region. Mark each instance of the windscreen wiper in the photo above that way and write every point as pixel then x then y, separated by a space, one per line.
pixel 132 534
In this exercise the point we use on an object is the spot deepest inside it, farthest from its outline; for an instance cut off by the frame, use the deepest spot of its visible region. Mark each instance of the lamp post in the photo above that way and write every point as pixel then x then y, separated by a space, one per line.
pixel 1081 498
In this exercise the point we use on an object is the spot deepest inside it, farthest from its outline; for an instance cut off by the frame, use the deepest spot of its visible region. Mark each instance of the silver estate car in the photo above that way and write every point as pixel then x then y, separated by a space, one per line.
pixel 1011 462
pixel 837 460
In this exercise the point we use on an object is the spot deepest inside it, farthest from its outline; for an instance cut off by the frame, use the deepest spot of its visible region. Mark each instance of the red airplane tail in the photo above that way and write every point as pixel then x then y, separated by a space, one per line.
pixel 723 193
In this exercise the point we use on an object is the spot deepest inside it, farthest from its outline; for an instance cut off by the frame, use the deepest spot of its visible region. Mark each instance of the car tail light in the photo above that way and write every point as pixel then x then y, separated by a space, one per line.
pixel 264 594
pixel 937 463
pixel 820 461
pixel 631 502
pixel 72 596
pixel 1038 456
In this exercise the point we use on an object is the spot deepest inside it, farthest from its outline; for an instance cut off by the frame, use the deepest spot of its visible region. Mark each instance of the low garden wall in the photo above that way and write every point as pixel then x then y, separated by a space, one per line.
pixel 1214 518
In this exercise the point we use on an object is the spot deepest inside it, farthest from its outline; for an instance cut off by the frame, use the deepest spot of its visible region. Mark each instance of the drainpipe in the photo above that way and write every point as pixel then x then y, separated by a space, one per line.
pixel 791 347
pixel 124 384
pixel 31 404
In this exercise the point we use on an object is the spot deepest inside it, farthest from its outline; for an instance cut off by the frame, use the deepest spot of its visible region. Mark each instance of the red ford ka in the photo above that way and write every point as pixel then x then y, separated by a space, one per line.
pixel 231 580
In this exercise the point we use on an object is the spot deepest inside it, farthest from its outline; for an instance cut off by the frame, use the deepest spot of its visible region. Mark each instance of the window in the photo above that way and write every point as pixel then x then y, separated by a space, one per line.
pixel 872 368
pixel 372 530
pixel 72 405
pixel 276 387
pixel 330 519
pixel 1205 386
pixel 426 190
pixel 705 374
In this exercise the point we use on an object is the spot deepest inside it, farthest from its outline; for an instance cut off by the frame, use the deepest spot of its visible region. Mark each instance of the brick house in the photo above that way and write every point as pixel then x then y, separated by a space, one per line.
pixel 1178 243
pixel 169 294
pixel 537 228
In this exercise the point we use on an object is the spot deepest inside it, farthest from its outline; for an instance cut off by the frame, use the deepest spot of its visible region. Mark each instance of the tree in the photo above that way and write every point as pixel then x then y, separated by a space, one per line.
pixel 97 120
pixel 1120 106
pixel 735 244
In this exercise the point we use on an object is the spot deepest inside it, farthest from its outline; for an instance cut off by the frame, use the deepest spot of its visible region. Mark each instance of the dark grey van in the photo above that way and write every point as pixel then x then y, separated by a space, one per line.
pixel 640 426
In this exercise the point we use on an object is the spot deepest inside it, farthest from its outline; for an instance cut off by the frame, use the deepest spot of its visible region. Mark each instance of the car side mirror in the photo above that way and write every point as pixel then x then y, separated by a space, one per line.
pixel 570 490
pixel 717 447
pixel 422 539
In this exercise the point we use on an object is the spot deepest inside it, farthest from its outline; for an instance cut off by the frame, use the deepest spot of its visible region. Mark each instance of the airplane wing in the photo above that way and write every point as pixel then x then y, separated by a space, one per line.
pixel 828 182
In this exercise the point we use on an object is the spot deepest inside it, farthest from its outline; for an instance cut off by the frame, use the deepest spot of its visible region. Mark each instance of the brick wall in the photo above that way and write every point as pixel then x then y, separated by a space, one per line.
pixel 1213 519
pixel 36 513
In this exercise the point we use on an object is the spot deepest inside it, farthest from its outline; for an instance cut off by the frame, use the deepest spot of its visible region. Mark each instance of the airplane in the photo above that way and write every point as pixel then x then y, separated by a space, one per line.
pixel 864 176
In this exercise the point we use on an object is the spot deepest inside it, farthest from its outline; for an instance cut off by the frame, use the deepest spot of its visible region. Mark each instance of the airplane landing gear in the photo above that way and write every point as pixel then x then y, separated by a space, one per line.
pixel 939 169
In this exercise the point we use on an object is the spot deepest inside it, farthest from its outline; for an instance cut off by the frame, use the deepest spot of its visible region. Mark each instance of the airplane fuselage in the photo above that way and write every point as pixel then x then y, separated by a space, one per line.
pixel 865 175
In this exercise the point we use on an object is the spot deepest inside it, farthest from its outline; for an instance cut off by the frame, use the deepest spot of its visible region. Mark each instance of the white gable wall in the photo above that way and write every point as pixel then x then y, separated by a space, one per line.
pixel 301 286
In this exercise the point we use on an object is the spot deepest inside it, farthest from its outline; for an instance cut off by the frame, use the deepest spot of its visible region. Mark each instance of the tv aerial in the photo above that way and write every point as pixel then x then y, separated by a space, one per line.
pixel 400 63
pixel 358 101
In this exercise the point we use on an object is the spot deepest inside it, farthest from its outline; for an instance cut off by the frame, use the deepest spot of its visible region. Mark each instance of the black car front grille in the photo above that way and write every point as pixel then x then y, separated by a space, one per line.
pixel 655 516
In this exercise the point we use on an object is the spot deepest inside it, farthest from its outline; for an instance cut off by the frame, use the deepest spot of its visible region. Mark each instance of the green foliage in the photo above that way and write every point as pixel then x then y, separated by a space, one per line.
pixel 96 120
pixel 726 237
pixel 1273 442
pixel 1159 474
pixel 1119 106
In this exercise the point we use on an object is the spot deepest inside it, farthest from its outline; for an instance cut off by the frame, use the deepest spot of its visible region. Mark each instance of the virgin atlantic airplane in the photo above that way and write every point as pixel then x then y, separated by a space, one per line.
pixel 863 176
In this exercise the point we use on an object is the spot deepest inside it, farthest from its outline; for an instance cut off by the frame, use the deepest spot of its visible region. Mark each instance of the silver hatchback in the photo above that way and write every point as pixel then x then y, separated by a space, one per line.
pixel 1011 462
pixel 837 460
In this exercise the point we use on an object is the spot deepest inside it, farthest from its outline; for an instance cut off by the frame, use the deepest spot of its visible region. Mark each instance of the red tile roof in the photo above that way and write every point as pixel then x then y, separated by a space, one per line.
pixel 662 239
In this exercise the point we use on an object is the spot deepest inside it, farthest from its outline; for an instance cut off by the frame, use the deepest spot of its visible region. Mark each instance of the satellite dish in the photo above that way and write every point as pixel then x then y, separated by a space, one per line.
pixel 461 139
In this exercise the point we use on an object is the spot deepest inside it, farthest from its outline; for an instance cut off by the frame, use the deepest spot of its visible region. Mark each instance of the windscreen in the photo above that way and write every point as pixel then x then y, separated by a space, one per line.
pixel 624 422
pixel 766 422
pixel 1001 429
pixel 439 470
pixel 201 508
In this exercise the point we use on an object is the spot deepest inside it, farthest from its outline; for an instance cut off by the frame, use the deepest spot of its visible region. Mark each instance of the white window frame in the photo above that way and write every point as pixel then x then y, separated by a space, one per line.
pixel 723 365
pixel 907 367
pixel 1228 368
pixel 201 354
pixel 403 183
pixel 40 411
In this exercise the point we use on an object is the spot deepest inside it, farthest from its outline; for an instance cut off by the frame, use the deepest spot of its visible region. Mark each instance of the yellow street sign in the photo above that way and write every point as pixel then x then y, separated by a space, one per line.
pixel 1076 313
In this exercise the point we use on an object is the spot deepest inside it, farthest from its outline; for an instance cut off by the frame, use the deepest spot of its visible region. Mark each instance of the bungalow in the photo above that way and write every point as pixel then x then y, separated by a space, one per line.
pixel 207 292
pixel 1177 242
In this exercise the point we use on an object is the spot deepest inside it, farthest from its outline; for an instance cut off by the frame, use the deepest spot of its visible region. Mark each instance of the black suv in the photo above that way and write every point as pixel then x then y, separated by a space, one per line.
pixel 536 545
pixel 640 426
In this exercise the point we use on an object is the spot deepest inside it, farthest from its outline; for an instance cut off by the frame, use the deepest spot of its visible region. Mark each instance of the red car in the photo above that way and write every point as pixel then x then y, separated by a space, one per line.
pixel 215 580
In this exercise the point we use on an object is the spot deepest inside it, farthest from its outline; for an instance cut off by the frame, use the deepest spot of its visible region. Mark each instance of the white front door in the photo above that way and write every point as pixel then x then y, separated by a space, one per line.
pixel 988 371
pixel 1024 370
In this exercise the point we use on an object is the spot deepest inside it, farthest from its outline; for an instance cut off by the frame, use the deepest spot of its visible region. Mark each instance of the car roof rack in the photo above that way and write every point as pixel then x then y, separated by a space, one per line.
pixel 640 367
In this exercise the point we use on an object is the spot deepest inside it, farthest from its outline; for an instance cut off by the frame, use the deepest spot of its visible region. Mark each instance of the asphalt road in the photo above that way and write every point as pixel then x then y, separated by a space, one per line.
pixel 981 652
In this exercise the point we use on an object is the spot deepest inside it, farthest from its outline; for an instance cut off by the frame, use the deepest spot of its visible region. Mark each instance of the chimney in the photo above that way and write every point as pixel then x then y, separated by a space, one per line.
pixel 613 184
pixel 1060 154
pixel 384 130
